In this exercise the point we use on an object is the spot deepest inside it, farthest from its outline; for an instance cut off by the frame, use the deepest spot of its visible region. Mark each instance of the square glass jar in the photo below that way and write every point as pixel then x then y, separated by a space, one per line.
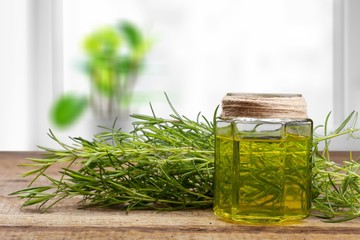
pixel 263 169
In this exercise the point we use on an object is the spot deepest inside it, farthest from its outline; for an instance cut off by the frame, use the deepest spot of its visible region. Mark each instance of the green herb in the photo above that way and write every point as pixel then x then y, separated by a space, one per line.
pixel 336 187
pixel 169 164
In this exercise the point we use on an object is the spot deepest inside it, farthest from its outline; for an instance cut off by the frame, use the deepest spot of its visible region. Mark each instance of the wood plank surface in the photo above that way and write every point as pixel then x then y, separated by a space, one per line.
pixel 66 221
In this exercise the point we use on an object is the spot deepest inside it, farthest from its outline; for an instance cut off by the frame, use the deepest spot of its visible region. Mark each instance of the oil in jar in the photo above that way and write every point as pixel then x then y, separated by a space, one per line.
pixel 271 179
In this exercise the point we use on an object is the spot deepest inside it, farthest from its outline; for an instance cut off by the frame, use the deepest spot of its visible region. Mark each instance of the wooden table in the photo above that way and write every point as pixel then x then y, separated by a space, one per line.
pixel 65 221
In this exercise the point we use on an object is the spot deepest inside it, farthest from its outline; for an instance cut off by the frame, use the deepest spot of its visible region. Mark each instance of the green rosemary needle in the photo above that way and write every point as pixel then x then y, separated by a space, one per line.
pixel 169 164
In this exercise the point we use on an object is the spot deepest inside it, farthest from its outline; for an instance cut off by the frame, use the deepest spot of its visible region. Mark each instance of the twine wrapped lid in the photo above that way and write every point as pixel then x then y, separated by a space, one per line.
pixel 254 105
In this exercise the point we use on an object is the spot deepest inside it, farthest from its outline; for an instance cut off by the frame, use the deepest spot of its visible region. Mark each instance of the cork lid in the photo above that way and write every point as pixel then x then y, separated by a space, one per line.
pixel 255 105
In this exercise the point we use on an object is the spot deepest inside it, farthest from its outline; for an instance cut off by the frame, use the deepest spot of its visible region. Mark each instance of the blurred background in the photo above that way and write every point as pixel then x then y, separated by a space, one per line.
pixel 196 52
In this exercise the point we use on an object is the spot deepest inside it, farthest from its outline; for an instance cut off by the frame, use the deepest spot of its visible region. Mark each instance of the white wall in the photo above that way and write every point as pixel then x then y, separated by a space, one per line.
pixel 205 48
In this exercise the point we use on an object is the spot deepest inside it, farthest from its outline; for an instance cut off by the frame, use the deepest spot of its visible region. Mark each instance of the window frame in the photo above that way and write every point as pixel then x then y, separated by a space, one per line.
pixel 45 18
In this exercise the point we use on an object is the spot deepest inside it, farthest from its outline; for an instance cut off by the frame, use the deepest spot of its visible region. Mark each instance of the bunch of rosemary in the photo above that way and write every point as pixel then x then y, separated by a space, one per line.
pixel 169 164
pixel 161 164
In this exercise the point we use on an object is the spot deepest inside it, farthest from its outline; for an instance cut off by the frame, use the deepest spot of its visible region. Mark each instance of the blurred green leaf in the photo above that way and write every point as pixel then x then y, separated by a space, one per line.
pixel 124 65
pixel 67 109
pixel 105 41
pixel 131 33
pixel 138 44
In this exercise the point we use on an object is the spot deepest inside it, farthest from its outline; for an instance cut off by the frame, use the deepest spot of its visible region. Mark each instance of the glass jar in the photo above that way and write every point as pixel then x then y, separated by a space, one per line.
pixel 263 158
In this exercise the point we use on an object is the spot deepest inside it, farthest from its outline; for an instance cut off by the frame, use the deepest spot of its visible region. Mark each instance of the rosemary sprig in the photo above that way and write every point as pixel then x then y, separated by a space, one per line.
pixel 335 186
pixel 169 164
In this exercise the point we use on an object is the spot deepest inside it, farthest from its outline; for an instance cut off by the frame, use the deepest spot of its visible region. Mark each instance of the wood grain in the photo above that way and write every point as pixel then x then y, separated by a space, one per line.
pixel 66 221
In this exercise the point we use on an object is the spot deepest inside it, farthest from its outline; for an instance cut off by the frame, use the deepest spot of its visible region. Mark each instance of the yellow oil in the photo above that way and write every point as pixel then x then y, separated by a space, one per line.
pixel 263 180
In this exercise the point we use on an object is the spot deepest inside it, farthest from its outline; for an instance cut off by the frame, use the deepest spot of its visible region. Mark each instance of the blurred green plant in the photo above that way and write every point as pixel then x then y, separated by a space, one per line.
pixel 115 55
